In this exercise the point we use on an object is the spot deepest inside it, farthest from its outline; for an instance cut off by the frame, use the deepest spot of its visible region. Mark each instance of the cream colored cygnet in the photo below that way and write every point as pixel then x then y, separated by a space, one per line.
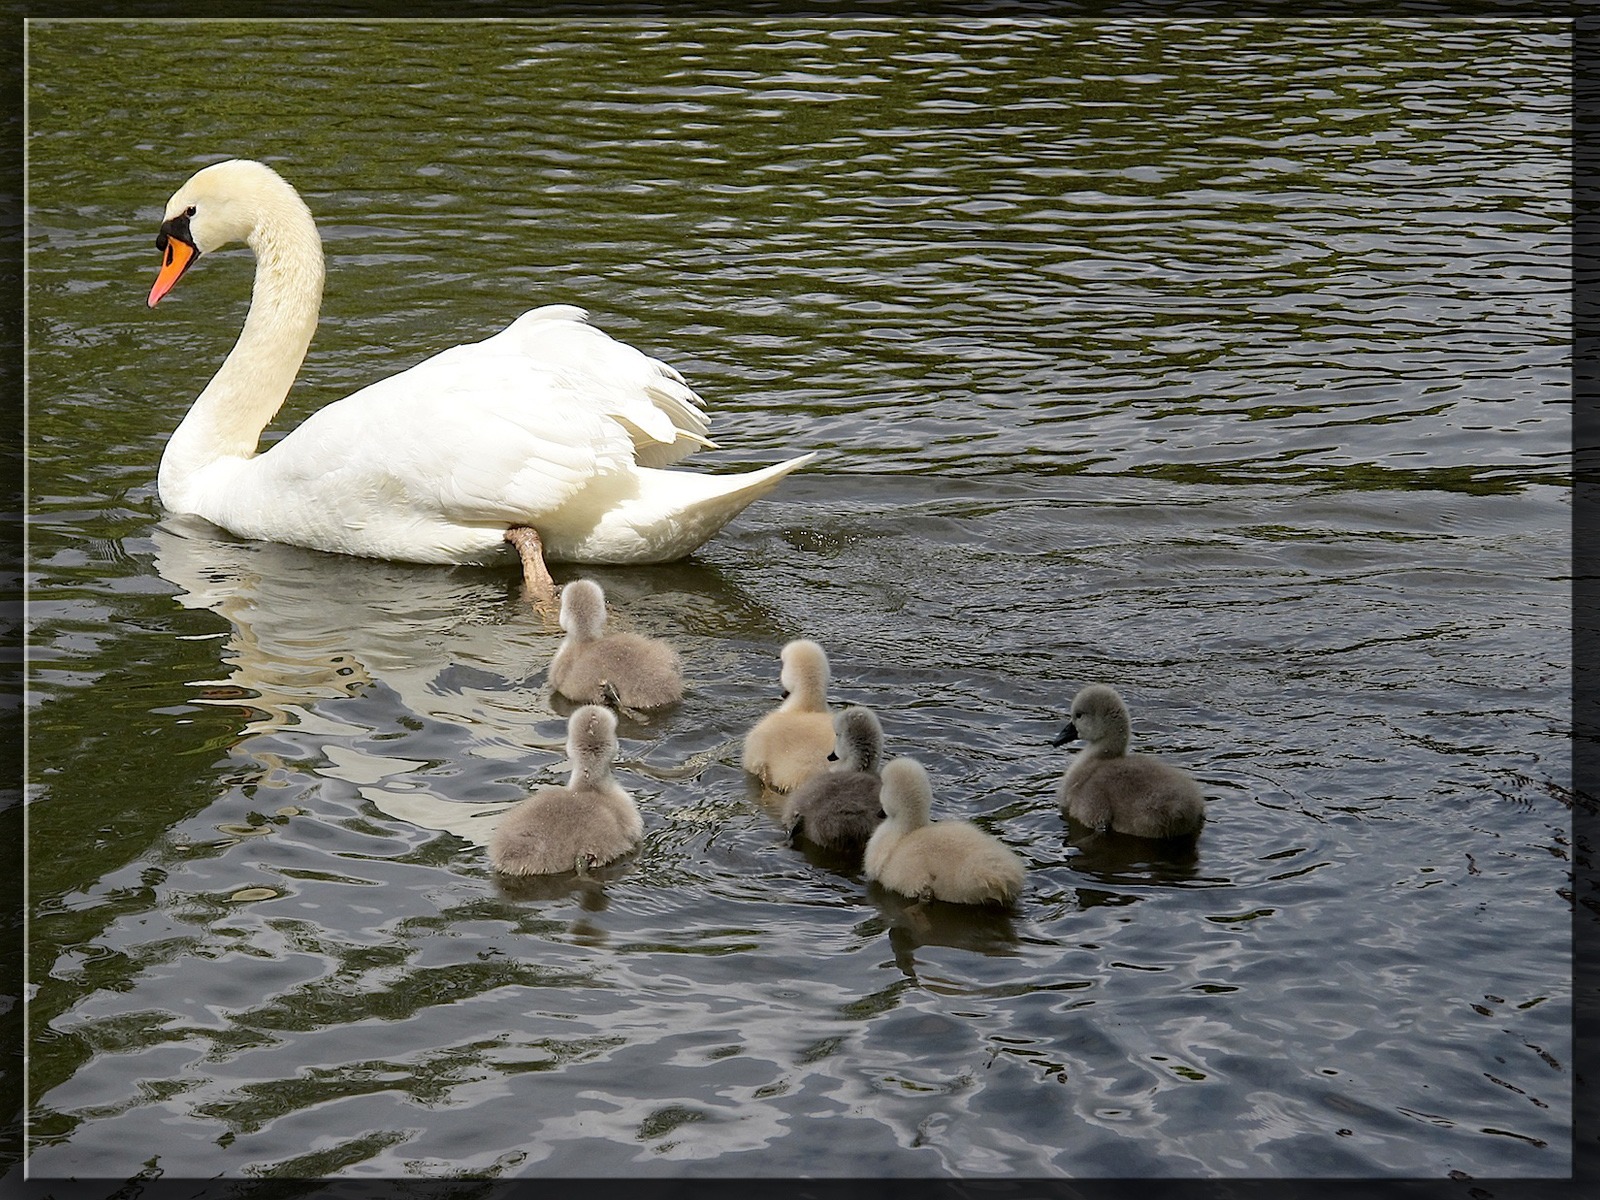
pixel 588 823
pixel 1109 789
pixel 792 743
pixel 622 669
pixel 838 808
pixel 949 860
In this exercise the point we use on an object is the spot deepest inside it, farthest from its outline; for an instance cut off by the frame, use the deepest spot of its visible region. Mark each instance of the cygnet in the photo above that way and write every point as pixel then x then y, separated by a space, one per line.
pixel 838 808
pixel 622 669
pixel 947 860
pixel 588 823
pixel 792 743
pixel 1108 788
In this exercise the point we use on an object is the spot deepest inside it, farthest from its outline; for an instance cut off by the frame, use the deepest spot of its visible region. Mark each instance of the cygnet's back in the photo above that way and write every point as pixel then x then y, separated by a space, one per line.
pixel 588 823
pixel 1107 788
pixel 838 808
pixel 950 860
pixel 792 743
pixel 639 672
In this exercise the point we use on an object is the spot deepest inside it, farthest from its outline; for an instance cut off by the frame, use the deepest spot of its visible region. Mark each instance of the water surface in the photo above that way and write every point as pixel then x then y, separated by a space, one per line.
pixel 1225 362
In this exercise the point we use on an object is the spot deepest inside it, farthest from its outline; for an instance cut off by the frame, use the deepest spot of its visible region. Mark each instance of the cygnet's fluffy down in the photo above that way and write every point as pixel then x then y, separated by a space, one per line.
pixel 792 743
pixel 638 672
pixel 948 860
pixel 1108 788
pixel 588 823
pixel 838 808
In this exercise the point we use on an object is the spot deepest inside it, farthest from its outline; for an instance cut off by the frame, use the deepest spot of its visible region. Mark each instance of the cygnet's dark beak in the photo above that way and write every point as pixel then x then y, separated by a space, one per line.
pixel 783 695
pixel 1069 734
pixel 882 816
pixel 832 757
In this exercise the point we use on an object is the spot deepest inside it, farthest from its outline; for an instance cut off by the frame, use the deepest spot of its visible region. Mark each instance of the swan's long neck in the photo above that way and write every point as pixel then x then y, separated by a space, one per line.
pixel 246 392
pixel 590 773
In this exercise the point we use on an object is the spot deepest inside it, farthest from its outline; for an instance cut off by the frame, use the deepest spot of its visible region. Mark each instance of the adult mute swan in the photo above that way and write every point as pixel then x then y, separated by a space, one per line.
pixel 549 435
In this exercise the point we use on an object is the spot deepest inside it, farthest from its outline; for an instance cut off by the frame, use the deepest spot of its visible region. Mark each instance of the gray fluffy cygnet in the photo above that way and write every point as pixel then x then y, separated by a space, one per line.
pixel 1109 789
pixel 951 860
pixel 588 823
pixel 792 743
pixel 596 667
pixel 838 808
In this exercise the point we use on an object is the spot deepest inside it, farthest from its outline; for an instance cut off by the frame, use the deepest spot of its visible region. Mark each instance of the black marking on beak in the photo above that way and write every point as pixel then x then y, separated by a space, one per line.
pixel 176 227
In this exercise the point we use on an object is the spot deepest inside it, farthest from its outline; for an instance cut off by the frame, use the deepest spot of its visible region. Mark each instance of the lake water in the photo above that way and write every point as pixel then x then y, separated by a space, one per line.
pixel 1225 362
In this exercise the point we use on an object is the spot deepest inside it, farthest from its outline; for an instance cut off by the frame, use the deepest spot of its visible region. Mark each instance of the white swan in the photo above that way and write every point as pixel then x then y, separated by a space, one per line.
pixel 1109 789
pixel 549 435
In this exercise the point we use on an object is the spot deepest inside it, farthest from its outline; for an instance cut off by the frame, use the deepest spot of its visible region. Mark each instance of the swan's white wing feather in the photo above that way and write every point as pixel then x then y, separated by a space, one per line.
pixel 662 413
pixel 517 444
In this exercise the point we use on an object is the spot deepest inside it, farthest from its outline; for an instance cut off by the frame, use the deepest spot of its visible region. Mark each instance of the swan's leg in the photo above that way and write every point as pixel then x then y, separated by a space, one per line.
pixel 535 575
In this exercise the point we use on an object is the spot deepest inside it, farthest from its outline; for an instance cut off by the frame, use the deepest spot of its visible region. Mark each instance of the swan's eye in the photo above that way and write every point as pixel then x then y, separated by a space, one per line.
pixel 189 212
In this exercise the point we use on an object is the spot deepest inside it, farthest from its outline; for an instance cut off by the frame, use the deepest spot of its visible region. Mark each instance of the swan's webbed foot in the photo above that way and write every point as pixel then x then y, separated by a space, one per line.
pixel 536 582
pixel 585 864
pixel 609 696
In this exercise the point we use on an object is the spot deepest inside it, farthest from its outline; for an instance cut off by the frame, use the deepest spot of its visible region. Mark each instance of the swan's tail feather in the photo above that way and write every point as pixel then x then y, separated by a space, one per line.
pixel 669 515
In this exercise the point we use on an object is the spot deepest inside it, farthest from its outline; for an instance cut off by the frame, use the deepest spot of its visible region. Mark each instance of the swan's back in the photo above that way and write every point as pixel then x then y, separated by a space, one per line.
pixel 786 748
pixel 954 861
pixel 835 809
pixel 1134 794
pixel 556 829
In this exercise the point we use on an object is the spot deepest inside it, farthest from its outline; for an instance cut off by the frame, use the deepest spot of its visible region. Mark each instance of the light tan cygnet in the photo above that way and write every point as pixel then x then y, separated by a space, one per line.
pixel 594 667
pixel 1109 789
pixel 588 823
pixel 792 743
pixel 838 808
pixel 947 860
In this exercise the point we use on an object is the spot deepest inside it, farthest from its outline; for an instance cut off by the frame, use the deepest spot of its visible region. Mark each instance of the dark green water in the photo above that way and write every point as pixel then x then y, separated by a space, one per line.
pixel 1226 363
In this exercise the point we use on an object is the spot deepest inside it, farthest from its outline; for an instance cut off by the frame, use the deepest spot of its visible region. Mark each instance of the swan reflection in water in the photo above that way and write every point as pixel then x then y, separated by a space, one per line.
pixel 458 648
